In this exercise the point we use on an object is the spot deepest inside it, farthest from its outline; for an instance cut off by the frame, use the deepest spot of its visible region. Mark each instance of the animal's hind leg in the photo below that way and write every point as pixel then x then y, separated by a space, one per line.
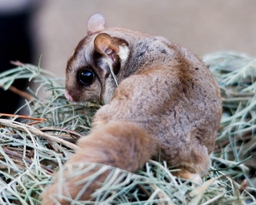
pixel 193 163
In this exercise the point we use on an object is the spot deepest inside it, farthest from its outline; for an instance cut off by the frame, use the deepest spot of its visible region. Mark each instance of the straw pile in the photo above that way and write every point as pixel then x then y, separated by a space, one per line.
pixel 31 151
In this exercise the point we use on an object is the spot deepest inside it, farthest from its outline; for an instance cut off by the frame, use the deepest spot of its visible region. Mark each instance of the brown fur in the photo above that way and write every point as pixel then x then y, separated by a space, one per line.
pixel 166 100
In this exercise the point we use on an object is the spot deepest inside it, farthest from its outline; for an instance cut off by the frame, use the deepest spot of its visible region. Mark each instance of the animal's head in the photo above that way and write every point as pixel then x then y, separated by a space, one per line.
pixel 97 59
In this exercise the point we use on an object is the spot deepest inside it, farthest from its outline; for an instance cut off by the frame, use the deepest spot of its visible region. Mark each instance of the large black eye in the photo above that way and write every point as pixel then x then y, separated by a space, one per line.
pixel 86 77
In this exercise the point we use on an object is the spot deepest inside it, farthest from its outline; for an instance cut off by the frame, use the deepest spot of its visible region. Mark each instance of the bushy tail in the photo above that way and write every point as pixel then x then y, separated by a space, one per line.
pixel 118 144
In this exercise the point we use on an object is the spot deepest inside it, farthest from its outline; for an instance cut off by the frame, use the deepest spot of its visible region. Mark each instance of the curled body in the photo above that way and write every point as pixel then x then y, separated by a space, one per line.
pixel 157 96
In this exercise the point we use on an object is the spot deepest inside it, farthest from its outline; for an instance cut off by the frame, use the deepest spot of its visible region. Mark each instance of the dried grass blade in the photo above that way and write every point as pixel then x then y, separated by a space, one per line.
pixel 37 132
pixel 199 191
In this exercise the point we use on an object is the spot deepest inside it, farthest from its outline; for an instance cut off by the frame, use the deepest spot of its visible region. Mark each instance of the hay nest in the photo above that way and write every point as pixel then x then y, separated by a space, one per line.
pixel 33 149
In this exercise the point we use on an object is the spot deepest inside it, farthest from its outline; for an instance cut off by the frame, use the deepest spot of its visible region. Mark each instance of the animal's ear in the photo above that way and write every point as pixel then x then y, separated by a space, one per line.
pixel 96 23
pixel 105 45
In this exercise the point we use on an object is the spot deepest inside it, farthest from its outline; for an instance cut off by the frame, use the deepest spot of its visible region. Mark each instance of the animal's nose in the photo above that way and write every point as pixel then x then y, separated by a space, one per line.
pixel 68 96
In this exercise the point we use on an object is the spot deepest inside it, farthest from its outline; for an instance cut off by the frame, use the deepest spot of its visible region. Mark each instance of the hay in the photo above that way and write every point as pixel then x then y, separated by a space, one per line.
pixel 30 154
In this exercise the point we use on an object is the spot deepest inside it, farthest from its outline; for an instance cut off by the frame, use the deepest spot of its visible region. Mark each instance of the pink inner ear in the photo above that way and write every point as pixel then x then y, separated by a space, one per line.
pixel 105 45
pixel 96 23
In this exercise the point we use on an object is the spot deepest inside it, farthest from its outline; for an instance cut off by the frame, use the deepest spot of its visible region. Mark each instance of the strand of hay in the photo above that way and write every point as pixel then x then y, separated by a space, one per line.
pixel 28 158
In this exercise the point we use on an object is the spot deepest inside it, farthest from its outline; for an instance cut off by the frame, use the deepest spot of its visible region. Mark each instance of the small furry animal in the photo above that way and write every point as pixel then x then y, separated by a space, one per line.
pixel 157 96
